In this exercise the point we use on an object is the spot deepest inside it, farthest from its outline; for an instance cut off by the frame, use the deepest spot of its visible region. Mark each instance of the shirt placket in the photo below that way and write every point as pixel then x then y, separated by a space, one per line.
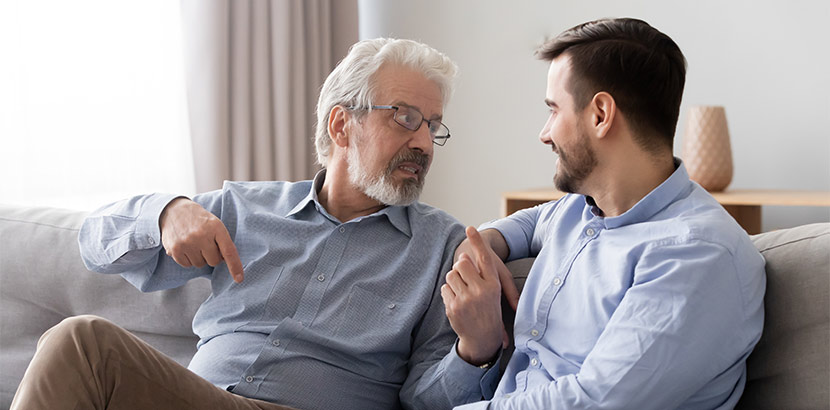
pixel 539 328
pixel 307 310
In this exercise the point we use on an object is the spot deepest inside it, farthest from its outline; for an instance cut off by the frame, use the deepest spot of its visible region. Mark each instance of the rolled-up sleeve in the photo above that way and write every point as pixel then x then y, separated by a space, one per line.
pixel 518 231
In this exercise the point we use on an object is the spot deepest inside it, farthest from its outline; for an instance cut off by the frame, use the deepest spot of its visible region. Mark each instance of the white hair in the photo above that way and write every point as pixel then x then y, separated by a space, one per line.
pixel 351 84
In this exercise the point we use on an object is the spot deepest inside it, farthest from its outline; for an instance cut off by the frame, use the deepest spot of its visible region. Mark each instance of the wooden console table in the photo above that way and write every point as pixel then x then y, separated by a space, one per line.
pixel 743 204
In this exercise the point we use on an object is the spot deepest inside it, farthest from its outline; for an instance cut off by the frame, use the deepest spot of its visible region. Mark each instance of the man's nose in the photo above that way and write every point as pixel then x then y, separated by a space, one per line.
pixel 422 139
pixel 544 134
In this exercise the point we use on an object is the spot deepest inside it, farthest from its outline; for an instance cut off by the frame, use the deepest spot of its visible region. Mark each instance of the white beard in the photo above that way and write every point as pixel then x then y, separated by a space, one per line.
pixel 382 187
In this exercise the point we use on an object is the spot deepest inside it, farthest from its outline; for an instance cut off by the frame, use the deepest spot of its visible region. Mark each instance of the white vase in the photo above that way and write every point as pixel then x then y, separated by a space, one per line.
pixel 707 152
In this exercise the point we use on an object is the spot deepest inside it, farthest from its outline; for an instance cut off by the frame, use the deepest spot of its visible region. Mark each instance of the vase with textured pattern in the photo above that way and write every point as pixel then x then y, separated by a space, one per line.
pixel 706 149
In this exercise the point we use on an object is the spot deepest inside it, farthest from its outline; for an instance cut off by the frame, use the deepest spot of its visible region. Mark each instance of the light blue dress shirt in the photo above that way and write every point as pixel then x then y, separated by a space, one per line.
pixel 330 315
pixel 657 308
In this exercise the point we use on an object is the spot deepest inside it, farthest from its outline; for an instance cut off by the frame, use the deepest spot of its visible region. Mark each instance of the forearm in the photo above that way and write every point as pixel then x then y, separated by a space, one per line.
pixel 496 240
pixel 515 236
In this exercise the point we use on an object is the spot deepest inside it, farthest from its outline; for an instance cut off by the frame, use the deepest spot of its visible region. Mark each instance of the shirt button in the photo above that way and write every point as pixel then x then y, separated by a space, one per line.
pixel 249 379
pixel 557 281
pixel 590 232
pixel 533 362
pixel 342 229
pixel 151 240
pixel 534 332
pixel 321 278
pixel 276 342
pixel 391 306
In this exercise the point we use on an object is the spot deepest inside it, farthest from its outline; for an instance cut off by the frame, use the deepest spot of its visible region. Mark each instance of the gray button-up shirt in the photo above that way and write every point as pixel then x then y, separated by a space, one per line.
pixel 330 314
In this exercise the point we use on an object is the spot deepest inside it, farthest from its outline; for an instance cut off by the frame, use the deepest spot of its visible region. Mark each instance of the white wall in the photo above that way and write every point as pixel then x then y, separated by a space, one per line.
pixel 767 62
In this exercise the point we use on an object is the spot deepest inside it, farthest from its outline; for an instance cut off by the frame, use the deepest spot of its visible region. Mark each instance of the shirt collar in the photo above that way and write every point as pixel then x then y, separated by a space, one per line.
pixel 397 215
pixel 656 200
pixel 311 197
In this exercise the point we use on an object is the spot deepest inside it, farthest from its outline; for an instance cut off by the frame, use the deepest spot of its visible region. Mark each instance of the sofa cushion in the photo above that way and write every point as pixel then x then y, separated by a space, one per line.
pixel 790 366
pixel 43 281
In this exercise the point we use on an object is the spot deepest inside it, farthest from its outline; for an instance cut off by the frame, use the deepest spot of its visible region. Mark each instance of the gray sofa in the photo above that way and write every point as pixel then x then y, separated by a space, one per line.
pixel 43 281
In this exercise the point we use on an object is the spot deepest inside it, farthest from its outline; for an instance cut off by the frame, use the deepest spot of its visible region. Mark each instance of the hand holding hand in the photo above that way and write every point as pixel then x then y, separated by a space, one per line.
pixel 497 245
pixel 192 236
pixel 472 297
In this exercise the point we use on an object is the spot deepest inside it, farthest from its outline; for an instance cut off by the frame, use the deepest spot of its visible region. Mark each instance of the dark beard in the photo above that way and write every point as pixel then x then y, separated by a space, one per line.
pixel 576 166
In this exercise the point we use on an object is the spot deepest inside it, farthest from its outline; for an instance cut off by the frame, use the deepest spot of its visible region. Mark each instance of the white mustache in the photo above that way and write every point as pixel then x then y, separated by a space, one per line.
pixel 413 156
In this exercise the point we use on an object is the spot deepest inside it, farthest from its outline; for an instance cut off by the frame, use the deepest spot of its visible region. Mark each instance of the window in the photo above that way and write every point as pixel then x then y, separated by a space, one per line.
pixel 92 107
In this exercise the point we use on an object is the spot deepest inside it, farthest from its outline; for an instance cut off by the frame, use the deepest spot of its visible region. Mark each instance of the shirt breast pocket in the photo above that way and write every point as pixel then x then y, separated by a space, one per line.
pixel 378 330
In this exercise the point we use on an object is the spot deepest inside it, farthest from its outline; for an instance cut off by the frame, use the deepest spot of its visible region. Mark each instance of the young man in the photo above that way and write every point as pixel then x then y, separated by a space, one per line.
pixel 645 293
pixel 325 293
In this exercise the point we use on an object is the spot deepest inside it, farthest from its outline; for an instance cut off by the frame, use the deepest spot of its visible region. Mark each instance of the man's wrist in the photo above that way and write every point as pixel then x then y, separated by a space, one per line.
pixel 492 362
pixel 164 211
pixel 481 363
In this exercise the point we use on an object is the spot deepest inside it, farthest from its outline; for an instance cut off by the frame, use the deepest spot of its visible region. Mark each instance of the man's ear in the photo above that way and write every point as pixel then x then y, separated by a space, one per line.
pixel 338 126
pixel 603 112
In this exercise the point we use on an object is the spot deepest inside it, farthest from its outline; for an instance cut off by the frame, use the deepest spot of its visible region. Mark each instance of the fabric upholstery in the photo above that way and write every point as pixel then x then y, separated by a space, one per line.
pixel 790 366
pixel 43 281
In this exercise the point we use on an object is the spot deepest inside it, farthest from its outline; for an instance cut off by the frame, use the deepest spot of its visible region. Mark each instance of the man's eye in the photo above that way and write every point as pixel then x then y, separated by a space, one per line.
pixel 411 120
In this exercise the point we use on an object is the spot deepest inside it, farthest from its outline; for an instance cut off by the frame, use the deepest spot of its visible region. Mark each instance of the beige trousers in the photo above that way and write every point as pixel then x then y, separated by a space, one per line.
pixel 87 362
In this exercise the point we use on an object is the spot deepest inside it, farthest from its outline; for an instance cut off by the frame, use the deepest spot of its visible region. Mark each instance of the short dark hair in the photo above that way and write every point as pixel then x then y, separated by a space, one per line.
pixel 642 68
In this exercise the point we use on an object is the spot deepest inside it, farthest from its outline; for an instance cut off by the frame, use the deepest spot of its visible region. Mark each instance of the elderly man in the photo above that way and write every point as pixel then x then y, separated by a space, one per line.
pixel 325 293
pixel 645 293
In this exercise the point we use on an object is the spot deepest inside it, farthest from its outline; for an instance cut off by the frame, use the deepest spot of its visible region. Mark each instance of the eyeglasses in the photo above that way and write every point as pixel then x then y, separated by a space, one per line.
pixel 411 119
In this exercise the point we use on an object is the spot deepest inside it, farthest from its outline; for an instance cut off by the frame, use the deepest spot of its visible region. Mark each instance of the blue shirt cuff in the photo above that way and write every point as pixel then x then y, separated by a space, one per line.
pixel 147 234
pixel 464 374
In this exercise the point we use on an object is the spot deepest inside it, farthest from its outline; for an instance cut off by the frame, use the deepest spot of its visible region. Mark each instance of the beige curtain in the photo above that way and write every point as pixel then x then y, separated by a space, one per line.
pixel 253 71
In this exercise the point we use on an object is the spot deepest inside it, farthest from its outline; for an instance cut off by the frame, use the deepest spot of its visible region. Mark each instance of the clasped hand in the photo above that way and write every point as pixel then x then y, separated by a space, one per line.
pixel 472 298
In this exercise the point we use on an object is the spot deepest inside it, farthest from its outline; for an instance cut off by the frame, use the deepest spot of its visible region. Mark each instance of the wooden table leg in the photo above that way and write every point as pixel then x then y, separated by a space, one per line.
pixel 748 216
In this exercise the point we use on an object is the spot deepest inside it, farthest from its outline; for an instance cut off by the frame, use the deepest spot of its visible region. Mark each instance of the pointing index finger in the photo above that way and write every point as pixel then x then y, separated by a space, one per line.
pixel 481 252
pixel 230 255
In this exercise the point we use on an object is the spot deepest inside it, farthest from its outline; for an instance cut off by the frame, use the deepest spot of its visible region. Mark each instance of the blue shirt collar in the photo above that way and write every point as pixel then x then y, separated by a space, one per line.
pixel 397 215
pixel 675 185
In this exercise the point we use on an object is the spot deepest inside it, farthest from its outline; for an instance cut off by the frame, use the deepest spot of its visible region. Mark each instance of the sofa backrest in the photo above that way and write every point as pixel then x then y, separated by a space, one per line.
pixel 43 281
pixel 790 366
